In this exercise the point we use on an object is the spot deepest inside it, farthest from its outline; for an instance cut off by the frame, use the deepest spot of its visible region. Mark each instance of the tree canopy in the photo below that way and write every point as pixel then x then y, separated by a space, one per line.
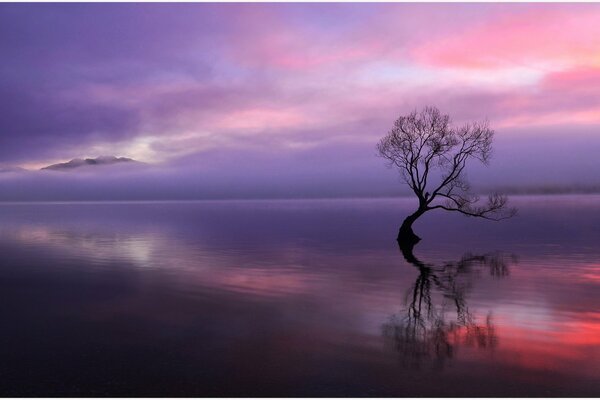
pixel 431 155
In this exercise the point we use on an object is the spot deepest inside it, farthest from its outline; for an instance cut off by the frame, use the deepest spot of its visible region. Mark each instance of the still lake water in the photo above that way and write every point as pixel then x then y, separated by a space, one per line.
pixel 298 298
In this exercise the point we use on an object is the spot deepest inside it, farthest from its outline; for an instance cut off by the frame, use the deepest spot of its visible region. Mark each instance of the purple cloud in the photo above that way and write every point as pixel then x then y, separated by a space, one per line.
pixel 301 89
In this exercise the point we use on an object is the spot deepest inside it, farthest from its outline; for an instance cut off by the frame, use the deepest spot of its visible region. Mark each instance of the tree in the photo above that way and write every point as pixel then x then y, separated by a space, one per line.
pixel 431 156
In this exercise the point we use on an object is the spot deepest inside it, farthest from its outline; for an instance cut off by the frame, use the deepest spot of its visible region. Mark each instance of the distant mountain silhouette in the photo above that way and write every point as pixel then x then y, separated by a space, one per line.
pixel 98 161
pixel 11 169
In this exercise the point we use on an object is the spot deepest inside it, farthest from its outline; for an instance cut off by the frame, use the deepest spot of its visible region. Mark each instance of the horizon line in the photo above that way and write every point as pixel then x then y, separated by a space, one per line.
pixel 349 198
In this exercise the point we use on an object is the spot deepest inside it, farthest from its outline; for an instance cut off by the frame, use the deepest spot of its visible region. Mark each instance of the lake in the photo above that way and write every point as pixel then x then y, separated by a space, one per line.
pixel 298 298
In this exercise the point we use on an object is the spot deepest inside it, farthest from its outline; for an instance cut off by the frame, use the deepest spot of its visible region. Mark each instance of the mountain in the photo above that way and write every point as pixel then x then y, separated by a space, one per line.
pixel 11 169
pixel 98 161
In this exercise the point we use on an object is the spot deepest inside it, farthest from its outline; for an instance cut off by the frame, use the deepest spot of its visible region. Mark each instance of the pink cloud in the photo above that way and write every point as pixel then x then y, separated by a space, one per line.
pixel 296 49
pixel 583 79
pixel 556 35
pixel 279 78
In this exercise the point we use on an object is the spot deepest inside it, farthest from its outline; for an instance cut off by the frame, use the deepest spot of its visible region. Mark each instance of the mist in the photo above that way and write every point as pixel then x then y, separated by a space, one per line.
pixel 520 164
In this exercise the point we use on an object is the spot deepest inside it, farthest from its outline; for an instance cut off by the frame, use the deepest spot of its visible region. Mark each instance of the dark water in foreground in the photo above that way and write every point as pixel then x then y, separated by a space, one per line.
pixel 298 298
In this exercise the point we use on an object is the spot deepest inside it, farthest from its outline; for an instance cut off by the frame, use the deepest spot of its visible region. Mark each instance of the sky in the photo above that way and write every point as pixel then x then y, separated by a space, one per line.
pixel 288 100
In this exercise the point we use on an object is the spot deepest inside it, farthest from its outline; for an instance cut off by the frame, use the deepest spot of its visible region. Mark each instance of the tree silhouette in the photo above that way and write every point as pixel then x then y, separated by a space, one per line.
pixel 431 156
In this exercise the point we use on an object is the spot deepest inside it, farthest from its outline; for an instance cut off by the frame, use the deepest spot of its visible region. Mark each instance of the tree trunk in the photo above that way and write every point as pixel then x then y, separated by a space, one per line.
pixel 406 234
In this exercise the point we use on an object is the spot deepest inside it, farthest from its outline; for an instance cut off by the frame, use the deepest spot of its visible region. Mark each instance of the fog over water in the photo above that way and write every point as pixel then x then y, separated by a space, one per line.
pixel 559 164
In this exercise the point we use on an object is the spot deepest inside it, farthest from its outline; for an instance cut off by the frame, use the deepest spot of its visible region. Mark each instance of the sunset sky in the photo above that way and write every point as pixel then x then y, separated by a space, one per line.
pixel 290 99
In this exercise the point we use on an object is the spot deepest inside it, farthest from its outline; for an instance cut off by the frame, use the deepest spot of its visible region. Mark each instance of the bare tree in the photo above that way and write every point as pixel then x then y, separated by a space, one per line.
pixel 431 156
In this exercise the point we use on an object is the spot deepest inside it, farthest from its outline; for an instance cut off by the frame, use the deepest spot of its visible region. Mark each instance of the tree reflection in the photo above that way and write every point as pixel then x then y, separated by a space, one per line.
pixel 436 320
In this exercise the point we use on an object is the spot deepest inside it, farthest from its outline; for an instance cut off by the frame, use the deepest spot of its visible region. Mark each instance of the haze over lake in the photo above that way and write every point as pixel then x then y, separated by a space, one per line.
pixel 298 298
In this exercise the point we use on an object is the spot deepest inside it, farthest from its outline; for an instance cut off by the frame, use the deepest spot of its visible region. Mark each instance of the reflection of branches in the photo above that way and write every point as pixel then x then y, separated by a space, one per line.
pixel 427 330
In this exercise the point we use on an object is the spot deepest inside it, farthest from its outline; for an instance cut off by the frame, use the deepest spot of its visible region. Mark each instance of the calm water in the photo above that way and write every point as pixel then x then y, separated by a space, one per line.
pixel 298 298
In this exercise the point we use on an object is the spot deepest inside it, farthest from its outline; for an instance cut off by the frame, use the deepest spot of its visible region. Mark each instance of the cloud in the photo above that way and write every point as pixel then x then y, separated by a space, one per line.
pixel 541 36
pixel 268 82
pixel 37 123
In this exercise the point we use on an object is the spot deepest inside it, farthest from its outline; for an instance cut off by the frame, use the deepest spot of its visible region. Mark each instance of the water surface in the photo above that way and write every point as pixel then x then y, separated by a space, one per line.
pixel 298 298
